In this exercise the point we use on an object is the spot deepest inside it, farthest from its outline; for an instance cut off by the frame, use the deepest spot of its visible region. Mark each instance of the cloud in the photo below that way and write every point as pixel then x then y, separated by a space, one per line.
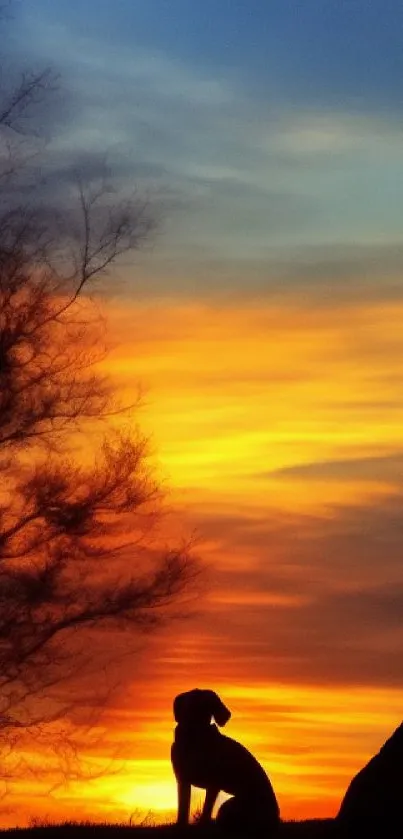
pixel 315 598
pixel 258 200
pixel 388 468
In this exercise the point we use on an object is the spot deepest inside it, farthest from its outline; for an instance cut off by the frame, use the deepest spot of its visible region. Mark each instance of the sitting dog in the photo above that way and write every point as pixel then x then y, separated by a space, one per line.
pixel 203 757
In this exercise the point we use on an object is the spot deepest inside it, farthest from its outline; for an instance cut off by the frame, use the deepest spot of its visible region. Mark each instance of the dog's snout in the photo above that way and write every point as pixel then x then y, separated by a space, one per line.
pixel 221 713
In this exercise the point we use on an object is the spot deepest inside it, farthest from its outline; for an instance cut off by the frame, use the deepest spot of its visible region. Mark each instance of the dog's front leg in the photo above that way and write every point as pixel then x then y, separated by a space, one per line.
pixel 183 802
pixel 209 801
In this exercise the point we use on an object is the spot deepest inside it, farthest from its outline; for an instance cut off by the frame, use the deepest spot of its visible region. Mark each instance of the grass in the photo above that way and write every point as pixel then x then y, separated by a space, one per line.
pixel 310 829
pixel 313 829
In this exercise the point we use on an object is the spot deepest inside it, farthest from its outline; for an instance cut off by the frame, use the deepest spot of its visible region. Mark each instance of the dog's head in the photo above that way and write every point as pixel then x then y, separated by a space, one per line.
pixel 197 707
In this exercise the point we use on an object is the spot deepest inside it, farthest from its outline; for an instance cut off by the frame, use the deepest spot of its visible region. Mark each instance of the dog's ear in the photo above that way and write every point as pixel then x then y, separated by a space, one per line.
pixel 219 711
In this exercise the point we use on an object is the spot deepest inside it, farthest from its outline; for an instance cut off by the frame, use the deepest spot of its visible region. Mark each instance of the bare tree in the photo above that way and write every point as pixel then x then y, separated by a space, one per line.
pixel 78 544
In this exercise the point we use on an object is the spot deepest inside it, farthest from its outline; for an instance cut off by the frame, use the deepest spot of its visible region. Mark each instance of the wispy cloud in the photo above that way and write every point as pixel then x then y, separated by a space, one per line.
pixel 388 468
pixel 276 423
pixel 258 197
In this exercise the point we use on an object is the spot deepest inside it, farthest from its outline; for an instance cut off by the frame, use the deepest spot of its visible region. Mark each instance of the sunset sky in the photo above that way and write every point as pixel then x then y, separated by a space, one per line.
pixel 265 325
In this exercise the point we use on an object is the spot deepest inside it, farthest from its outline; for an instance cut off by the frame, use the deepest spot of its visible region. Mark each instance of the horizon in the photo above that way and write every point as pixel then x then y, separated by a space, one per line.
pixel 264 324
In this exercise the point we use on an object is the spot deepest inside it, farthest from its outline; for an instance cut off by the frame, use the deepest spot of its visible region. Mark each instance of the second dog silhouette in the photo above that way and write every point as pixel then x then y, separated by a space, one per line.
pixel 203 757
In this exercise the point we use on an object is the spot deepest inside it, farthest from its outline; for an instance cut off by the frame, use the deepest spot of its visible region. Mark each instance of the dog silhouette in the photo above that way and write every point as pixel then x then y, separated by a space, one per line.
pixel 203 757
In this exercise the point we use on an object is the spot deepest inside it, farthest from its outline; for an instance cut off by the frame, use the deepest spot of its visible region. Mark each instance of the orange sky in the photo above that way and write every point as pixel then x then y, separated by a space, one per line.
pixel 279 430
pixel 275 407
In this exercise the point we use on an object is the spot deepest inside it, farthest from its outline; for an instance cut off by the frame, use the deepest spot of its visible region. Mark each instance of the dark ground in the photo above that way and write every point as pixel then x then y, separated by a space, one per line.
pixel 314 829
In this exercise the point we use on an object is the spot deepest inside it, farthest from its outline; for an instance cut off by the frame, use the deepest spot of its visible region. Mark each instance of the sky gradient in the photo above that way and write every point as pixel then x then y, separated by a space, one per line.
pixel 265 325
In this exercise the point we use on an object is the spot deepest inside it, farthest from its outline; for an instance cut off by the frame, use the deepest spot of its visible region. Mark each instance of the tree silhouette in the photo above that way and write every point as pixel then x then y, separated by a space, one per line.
pixel 78 502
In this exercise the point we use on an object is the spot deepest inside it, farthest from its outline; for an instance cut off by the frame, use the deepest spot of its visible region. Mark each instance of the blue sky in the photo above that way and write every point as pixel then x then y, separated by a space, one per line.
pixel 269 133
pixel 314 50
